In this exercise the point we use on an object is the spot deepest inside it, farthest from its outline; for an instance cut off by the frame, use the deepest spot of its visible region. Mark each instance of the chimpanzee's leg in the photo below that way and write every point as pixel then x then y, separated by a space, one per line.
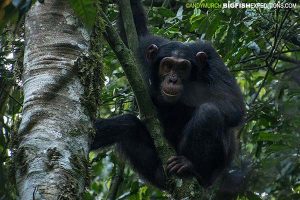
pixel 135 143
pixel 205 148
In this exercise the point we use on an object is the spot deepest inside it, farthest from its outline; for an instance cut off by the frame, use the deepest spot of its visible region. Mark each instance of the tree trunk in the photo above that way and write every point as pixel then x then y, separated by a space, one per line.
pixel 52 154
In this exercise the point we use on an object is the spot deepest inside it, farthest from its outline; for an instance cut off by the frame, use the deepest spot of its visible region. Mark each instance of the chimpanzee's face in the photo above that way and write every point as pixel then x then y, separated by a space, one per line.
pixel 173 71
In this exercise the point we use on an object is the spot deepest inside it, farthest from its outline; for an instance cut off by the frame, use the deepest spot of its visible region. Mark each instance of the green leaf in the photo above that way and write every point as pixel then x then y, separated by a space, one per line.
pixel 8 14
pixel 264 136
pixel 280 148
pixel 165 12
pixel 86 11
pixel 179 14
pixel 252 196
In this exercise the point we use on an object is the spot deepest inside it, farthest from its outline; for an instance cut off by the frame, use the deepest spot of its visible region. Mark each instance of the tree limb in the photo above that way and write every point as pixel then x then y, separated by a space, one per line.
pixel 146 107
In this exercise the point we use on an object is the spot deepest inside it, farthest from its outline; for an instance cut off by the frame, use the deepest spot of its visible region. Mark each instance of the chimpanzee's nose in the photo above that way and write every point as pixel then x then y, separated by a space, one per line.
pixel 173 79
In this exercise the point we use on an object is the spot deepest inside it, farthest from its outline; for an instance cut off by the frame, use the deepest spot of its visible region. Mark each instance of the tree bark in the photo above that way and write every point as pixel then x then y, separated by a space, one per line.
pixel 51 157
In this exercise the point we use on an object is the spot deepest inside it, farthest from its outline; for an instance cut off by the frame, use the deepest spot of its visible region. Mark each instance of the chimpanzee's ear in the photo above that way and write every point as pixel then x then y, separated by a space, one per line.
pixel 151 52
pixel 201 58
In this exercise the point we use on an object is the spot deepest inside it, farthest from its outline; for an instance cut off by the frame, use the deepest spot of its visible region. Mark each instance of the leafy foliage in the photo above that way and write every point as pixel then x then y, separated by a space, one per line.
pixel 11 11
pixel 10 108
pixel 85 9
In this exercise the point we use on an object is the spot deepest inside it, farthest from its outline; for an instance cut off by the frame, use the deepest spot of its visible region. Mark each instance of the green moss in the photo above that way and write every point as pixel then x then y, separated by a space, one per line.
pixel 20 161
pixel 78 131
pixel 18 66
pixel 80 166
pixel 53 156
pixel 68 186
pixel 90 69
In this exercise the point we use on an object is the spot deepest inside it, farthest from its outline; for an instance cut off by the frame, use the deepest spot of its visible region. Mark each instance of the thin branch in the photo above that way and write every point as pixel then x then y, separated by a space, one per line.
pixel 116 182
pixel 277 40
pixel 287 70
pixel 288 59
pixel 20 104
pixel 260 87
pixel 248 68
pixel 146 107
pixel 253 58
pixel 264 54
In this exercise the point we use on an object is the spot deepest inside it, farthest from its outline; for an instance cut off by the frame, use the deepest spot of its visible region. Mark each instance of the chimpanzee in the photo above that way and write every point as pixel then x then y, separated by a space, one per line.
pixel 199 104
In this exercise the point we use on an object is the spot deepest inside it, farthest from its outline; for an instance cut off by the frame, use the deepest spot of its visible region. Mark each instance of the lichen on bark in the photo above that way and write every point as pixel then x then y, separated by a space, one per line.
pixel 55 126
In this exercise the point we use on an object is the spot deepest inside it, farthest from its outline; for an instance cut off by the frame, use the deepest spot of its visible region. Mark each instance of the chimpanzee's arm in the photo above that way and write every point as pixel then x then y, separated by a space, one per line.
pixel 206 147
pixel 113 130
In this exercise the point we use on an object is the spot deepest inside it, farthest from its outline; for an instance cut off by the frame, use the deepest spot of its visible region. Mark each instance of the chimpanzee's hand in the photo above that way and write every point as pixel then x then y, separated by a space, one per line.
pixel 180 166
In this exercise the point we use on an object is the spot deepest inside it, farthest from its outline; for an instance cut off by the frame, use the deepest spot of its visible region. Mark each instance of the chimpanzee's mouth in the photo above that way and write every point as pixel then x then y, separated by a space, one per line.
pixel 169 94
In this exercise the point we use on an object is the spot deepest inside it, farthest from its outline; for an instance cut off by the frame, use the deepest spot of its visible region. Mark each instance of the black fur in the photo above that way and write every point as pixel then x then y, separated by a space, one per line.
pixel 199 125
